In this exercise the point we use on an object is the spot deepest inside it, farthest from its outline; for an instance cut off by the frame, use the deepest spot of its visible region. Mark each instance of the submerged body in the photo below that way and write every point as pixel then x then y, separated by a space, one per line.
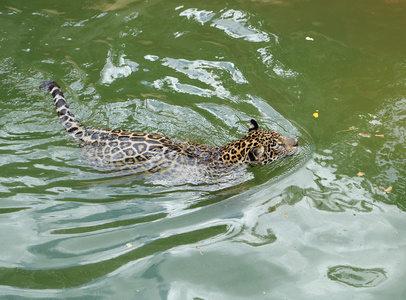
pixel 147 153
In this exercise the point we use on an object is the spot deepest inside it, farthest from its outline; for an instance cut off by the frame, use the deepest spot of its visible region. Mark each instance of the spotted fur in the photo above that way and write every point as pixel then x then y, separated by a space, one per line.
pixel 145 152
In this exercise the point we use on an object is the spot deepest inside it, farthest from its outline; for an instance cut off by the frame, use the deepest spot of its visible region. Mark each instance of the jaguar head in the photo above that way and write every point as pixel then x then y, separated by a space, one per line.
pixel 266 146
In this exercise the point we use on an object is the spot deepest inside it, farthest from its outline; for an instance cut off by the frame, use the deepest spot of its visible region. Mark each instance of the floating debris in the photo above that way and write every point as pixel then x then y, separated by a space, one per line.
pixel 367 134
pixel 361 174
pixel 363 134
pixel 199 250
pixel 387 190
pixel 349 129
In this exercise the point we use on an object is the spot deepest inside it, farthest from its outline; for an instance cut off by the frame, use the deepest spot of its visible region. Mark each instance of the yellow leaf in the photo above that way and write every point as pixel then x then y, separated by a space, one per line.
pixel 361 174
pixel 316 115
pixel 380 135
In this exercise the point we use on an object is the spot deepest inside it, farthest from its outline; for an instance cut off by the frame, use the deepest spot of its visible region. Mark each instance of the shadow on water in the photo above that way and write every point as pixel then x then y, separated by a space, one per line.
pixel 110 224
pixel 81 274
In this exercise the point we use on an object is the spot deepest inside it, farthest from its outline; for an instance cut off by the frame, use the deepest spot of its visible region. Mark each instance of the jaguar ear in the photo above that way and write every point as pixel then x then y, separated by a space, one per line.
pixel 253 125
pixel 256 153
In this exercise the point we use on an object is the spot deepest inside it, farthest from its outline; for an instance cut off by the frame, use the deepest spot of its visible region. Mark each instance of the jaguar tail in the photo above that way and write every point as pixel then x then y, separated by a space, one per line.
pixel 68 119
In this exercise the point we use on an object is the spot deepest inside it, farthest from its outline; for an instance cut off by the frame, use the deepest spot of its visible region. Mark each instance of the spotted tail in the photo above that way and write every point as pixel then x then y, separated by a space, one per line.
pixel 67 118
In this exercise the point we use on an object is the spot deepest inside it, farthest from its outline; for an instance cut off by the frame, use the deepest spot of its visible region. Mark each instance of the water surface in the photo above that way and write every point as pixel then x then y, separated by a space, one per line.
pixel 326 223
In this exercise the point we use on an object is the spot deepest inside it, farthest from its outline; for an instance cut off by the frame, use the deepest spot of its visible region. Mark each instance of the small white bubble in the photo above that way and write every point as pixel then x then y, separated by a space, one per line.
pixel 151 57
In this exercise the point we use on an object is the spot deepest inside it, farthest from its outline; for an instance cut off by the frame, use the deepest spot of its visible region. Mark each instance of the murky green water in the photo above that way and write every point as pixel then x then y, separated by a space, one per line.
pixel 307 227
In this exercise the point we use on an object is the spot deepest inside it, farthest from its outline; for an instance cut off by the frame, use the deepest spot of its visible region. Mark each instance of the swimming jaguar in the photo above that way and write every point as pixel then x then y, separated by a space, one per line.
pixel 148 153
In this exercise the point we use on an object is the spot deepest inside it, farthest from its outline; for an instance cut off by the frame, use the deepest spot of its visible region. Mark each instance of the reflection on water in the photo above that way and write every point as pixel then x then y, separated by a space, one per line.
pixel 206 72
pixel 123 68
pixel 305 227
pixel 357 277
pixel 234 23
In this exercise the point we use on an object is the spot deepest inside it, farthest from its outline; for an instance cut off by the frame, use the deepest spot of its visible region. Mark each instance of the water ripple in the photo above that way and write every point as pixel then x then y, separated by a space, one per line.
pixel 357 277
pixel 123 68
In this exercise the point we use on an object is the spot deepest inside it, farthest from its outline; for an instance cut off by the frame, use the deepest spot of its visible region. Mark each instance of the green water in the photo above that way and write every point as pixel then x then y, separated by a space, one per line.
pixel 307 227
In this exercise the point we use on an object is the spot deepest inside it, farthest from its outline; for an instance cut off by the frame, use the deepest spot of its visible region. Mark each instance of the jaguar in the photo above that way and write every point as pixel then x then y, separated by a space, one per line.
pixel 115 150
